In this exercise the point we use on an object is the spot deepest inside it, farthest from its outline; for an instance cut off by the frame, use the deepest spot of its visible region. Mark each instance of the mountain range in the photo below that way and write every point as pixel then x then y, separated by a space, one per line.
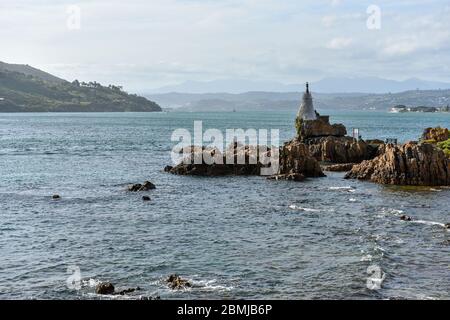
pixel 326 85
pixel 290 101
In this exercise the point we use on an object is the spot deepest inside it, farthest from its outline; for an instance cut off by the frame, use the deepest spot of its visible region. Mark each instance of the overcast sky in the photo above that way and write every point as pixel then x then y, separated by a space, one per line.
pixel 146 44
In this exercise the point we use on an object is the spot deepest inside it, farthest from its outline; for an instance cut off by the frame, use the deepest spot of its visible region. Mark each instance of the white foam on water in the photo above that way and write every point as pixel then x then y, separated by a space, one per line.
pixel 340 188
pixel 294 207
pixel 430 223
pixel 92 283
pixel 435 190
pixel 388 211
pixel 211 285
pixel 367 257
pixel 352 200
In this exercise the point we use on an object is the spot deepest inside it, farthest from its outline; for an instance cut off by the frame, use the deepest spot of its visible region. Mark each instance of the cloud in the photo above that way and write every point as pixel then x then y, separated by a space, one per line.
pixel 328 21
pixel 339 43
pixel 144 44
pixel 335 3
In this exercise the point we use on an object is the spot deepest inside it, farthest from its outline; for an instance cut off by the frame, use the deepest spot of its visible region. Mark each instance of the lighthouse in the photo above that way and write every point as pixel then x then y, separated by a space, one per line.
pixel 307 111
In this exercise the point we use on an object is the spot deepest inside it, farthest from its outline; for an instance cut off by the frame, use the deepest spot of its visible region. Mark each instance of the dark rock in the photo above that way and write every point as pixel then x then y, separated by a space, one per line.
pixel 338 167
pixel 144 298
pixel 405 218
pixel 141 187
pixel 146 198
pixel 175 282
pixel 56 196
pixel 411 164
pixel 126 291
pixel 105 288
pixel 168 168
pixel 447 225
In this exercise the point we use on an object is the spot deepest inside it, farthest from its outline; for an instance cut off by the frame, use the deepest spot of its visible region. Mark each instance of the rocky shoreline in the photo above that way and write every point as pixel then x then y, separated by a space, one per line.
pixel 320 146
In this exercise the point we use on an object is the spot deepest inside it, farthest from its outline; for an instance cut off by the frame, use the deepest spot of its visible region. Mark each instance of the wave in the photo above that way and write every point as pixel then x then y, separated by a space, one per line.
pixel 430 223
pixel 367 257
pixel 345 188
pixel 340 188
pixel 211 285
pixel 294 207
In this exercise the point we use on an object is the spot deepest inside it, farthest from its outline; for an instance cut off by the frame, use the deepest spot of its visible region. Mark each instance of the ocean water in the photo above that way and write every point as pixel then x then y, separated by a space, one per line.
pixel 233 237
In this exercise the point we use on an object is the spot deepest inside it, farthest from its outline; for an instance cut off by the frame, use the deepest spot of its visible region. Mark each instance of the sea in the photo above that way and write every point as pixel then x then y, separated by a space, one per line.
pixel 232 237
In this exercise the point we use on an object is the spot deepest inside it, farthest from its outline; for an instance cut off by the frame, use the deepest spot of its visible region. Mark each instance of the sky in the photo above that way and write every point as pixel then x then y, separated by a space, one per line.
pixel 146 44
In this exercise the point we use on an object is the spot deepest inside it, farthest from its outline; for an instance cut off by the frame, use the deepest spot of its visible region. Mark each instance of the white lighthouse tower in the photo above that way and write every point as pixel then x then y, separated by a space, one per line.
pixel 307 111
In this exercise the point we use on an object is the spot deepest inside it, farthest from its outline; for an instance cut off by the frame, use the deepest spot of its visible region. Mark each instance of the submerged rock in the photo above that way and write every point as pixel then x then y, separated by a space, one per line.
pixel 404 217
pixel 175 282
pixel 126 291
pixel 145 298
pixel 290 177
pixel 146 198
pixel 141 187
pixel 56 196
pixel 105 288
pixel 410 164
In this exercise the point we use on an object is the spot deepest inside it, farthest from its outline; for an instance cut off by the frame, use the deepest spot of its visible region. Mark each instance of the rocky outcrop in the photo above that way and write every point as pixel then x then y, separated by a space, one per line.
pixel 295 163
pixel 141 187
pixel 320 127
pixel 340 149
pixel 410 164
pixel 249 165
pixel 295 159
pixel 175 282
pixel 105 288
pixel 434 135
pixel 404 217
pixel 341 167
pixel 126 291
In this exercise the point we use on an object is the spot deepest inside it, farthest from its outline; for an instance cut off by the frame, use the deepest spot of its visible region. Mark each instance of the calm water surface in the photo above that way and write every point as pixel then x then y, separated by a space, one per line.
pixel 234 237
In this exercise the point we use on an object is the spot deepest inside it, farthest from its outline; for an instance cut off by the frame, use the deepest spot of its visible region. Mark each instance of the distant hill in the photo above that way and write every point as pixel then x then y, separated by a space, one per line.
pixel 327 85
pixel 26 89
pixel 290 101
pixel 30 71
